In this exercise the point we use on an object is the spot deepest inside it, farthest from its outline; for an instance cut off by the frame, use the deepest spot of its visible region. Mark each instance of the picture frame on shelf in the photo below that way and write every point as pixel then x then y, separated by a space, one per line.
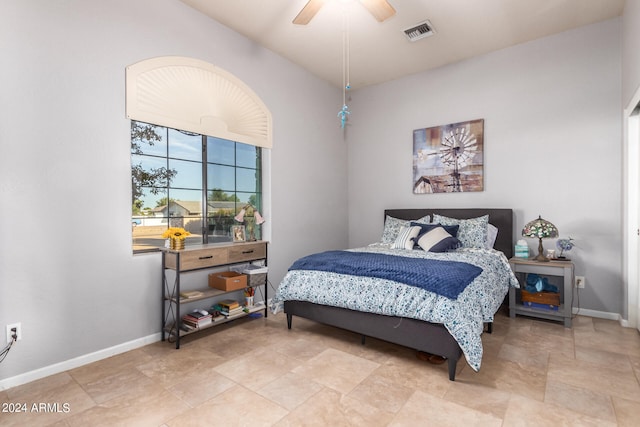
pixel 238 233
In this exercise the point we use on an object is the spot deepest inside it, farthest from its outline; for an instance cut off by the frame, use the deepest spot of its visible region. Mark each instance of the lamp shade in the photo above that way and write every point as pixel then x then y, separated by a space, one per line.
pixel 240 216
pixel 259 218
pixel 541 229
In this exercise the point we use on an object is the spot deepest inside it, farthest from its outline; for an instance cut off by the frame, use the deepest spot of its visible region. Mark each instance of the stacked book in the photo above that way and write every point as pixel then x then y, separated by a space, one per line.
pixel 229 307
pixel 196 320
pixel 190 294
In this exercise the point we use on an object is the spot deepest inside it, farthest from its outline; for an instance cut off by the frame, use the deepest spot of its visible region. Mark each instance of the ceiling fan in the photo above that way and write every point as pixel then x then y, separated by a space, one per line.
pixel 380 9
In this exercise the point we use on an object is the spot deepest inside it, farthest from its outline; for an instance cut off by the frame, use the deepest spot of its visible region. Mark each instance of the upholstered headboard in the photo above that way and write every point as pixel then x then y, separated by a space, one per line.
pixel 501 218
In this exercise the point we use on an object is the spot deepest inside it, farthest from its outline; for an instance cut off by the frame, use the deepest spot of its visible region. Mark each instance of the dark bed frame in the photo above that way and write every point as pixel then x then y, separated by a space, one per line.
pixel 417 334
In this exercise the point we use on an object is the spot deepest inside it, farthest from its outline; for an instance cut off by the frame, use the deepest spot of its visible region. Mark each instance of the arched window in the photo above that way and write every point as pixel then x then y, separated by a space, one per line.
pixel 197 134
pixel 193 95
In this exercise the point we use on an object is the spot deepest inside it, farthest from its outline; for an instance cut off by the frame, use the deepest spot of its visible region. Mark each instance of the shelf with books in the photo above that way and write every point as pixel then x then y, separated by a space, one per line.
pixel 202 257
pixel 185 330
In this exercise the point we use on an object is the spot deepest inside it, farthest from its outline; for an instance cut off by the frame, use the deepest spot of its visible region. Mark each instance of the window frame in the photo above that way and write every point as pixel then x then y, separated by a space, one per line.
pixel 253 198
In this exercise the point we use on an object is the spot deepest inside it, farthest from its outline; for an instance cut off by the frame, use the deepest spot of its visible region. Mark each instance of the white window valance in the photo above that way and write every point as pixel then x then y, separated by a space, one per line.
pixel 193 95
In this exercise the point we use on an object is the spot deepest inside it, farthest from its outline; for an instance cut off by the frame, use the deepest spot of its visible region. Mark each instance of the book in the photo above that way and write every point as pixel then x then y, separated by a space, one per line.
pixel 198 315
pixel 233 311
pixel 190 294
pixel 195 325
pixel 234 315
pixel 196 319
pixel 187 327
pixel 228 303
pixel 190 325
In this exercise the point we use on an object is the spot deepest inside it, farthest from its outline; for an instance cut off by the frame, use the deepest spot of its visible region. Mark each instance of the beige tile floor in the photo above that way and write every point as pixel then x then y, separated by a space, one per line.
pixel 258 373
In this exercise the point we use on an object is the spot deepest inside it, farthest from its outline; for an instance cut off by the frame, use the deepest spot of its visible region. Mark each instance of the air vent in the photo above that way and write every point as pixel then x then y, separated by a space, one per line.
pixel 419 31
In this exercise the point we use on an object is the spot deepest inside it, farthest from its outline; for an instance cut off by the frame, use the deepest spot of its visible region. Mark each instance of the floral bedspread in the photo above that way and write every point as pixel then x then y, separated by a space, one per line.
pixel 463 317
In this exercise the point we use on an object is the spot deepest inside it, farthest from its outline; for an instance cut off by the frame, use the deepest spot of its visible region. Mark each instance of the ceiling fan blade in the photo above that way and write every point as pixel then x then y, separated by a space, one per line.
pixel 380 9
pixel 308 12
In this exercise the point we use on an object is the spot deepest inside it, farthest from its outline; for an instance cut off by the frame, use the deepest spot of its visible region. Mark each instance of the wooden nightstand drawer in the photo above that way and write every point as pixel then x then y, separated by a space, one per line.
pixel 201 258
pixel 247 251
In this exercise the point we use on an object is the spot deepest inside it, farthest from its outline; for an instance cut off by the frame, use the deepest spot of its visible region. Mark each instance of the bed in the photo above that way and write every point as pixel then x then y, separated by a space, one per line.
pixel 446 323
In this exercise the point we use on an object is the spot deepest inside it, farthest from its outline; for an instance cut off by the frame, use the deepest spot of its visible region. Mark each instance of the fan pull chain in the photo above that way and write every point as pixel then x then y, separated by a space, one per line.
pixel 346 85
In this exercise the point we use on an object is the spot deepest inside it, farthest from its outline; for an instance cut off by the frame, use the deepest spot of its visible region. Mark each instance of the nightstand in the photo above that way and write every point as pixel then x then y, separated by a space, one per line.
pixel 562 269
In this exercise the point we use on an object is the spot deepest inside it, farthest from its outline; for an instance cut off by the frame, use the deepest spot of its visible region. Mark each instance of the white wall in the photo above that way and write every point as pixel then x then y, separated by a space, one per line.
pixel 631 50
pixel 65 167
pixel 552 145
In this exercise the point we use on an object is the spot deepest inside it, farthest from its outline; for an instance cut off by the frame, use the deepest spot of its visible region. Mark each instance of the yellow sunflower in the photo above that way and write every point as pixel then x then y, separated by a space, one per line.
pixel 176 233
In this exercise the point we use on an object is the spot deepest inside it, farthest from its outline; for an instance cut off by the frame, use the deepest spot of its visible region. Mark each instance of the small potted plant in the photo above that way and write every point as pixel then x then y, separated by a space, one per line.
pixel 176 237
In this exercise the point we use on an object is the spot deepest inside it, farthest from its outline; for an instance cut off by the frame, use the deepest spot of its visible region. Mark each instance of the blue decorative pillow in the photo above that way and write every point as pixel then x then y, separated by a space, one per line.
pixel 472 232
pixel 437 240
pixel 451 229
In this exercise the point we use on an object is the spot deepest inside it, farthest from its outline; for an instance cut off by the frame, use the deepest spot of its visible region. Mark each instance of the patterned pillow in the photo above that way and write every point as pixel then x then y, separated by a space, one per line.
pixel 424 220
pixel 392 227
pixel 438 240
pixel 472 232
pixel 405 238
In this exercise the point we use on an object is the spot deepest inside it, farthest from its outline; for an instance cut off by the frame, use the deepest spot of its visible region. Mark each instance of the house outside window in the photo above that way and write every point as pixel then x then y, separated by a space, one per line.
pixel 197 182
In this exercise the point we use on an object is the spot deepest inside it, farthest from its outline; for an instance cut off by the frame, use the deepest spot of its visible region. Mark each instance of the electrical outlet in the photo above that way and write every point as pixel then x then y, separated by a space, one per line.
pixel 580 282
pixel 18 328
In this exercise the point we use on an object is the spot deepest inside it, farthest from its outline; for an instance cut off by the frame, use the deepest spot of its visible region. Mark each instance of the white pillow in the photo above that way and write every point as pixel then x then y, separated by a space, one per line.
pixel 492 233
pixel 437 240
pixel 405 238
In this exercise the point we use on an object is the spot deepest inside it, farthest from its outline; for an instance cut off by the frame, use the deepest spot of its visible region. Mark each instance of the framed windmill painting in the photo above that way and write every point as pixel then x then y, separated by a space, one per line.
pixel 449 158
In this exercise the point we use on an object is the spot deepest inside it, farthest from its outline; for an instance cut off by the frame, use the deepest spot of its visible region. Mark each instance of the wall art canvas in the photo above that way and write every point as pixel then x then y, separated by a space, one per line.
pixel 449 158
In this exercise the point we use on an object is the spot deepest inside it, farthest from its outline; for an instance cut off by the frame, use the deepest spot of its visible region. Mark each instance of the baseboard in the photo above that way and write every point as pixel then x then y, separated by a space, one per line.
pixel 76 362
pixel 598 314
pixel 626 323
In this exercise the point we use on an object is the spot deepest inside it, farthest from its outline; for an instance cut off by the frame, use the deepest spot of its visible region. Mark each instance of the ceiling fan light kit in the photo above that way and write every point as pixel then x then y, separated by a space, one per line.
pixel 380 9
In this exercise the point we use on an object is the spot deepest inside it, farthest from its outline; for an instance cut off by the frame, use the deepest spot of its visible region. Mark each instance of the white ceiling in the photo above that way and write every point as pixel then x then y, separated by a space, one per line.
pixel 380 52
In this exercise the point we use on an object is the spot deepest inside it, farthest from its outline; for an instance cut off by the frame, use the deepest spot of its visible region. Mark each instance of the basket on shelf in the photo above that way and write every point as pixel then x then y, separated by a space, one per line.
pixel 256 275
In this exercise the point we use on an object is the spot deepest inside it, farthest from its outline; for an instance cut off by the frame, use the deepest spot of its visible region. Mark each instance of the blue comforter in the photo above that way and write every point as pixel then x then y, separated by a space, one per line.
pixel 446 278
